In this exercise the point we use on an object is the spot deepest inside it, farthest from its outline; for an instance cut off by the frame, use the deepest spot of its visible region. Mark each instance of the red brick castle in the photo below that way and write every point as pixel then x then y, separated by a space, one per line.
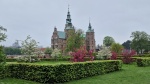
pixel 58 39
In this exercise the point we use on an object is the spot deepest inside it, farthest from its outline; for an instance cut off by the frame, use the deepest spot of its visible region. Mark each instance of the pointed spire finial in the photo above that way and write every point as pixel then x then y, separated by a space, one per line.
pixel 89 24
pixel 89 19
pixel 68 7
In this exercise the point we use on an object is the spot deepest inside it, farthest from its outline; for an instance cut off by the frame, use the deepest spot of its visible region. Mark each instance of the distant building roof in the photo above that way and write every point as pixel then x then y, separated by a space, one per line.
pixel 83 35
pixel 61 34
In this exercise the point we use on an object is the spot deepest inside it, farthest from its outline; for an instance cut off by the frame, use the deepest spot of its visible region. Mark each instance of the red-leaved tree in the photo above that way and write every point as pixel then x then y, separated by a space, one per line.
pixel 127 54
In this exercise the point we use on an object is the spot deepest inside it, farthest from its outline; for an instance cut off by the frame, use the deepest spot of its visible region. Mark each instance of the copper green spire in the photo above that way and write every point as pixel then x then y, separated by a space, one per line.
pixel 68 20
pixel 90 27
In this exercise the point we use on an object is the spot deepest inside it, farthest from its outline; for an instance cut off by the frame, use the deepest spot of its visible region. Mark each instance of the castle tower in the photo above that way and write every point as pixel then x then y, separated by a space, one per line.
pixel 68 26
pixel 90 38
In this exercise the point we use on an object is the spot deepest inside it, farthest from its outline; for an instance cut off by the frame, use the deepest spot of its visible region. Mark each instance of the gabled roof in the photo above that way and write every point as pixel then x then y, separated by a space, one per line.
pixel 61 34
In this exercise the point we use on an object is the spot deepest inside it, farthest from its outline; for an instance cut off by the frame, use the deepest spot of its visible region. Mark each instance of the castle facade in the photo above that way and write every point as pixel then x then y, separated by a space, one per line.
pixel 59 38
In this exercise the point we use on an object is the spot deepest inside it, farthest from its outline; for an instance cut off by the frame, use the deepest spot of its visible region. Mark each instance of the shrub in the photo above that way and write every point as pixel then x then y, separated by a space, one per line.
pixel 62 72
pixel 143 62
pixel 114 56
pixel 10 60
pixel 81 55
pixel 127 54
pixel 105 53
pixel 56 54
pixel 27 59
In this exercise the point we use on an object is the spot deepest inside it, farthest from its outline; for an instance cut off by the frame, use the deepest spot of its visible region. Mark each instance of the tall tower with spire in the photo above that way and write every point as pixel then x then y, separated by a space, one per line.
pixel 59 38
pixel 68 26
pixel 90 38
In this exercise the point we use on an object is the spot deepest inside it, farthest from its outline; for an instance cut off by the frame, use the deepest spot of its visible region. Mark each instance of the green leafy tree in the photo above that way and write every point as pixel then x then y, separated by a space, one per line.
pixel 2 34
pixel 108 41
pixel 2 55
pixel 75 40
pixel 29 47
pixel 12 51
pixel 140 41
pixel 116 47
pixel 56 53
pixel 127 44
pixel 48 51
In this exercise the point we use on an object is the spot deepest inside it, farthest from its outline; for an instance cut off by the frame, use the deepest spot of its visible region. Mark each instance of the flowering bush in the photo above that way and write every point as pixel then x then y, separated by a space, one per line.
pixel 114 56
pixel 56 53
pixel 127 54
pixel 27 59
pixel 80 54
pixel 105 53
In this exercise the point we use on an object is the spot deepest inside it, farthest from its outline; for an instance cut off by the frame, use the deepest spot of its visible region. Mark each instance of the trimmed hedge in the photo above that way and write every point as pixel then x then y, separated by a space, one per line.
pixel 63 72
pixel 11 60
pixel 142 62
pixel 4 73
pixel 58 59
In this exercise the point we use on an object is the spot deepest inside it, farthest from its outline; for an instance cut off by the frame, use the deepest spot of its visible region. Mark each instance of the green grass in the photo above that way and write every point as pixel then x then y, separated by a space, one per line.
pixel 131 74
pixel 16 81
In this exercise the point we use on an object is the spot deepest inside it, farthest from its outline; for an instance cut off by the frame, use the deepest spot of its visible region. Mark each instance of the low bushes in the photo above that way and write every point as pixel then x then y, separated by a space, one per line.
pixel 58 59
pixel 143 62
pixel 10 60
pixel 63 72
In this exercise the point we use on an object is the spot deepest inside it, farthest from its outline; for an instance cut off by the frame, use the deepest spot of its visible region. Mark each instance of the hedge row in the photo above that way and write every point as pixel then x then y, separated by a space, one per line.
pixel 43 59
pixel 11 60
pixel 4 73
pixel 58 59
pixel 141 62
pixel 63 72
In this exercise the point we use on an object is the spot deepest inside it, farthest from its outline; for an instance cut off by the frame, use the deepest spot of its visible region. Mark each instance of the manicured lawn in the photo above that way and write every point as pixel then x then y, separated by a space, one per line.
pixel 131 74
pixel 16 81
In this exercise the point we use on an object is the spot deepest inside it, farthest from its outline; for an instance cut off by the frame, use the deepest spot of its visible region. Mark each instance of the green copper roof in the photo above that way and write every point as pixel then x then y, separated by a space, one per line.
pixel 92 30
pixel 83 35
pixel 61 34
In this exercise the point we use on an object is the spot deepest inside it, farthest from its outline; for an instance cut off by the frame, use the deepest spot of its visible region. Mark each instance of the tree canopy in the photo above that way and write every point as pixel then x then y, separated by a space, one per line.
pixel 127 44
pixel 108 41
pixel 140 41
pixel 48 51
pixel 12 51
pixel 116 47
pixel 75 40
pixel 2 34
pixel 2 55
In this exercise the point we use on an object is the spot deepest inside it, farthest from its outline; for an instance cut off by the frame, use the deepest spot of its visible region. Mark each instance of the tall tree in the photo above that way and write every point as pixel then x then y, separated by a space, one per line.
pixel 127 44
pixel 2 34
pixel 140 41
pixel 116 47
pixel 29 47
pixel 2 55
pixel 75 40
pixel 108 41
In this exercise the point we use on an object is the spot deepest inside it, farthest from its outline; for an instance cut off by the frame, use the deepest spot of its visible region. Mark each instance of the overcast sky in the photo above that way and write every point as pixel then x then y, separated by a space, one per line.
pixel 37 18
